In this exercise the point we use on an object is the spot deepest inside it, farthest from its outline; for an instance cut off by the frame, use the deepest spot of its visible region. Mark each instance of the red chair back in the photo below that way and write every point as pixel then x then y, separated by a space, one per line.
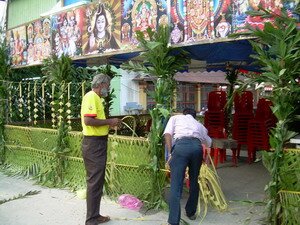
pixel 216 100
pixel 243 103
pixel 263 110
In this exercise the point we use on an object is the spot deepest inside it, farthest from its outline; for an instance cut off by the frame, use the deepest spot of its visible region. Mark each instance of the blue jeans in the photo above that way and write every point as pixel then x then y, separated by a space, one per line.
pixel 187 152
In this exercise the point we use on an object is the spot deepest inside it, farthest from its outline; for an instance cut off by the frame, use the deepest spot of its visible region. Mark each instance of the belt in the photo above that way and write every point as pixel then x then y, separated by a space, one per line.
pixel 97 137
pixel 187 138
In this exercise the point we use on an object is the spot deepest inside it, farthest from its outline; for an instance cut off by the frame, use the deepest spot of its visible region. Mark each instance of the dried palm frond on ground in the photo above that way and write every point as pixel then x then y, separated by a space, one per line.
pixel 210 190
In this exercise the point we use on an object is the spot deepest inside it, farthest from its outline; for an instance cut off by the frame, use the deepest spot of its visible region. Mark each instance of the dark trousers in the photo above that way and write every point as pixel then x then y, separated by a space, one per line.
pixel 94 152
pixel 187 152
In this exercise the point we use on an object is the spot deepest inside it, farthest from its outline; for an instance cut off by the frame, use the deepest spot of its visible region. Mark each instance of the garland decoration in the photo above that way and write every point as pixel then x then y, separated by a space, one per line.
pixel 28 102
pixel 20 105
pixel 69 108
pixel 53 107
pixel 44 101
pixel 35 110
pixel 10 100
pixel 61 105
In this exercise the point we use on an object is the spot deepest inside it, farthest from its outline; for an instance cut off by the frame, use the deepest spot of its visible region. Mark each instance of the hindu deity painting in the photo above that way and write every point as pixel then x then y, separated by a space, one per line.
pixel 67 30
pixel 38 39
pixel 140 15
pixel 17 44
pixel 222 18
pixel 102 28
pixel 240 18
pixel 192 20
pixel 178 17
pixel 199 15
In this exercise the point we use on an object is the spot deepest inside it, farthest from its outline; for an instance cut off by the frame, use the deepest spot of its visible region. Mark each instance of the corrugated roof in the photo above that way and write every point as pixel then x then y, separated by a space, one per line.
pixel 212 77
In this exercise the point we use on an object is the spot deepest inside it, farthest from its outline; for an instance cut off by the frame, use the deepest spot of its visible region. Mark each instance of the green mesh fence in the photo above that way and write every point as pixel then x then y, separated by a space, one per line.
pixel 290 202
pixel 74 175
pixel 75 139
pixel 133 180
pixel 290 170
pixel 44 139
pixel 15 135
pixel 26 160
pixel 129 151
pixel 290 185
pixel 30 149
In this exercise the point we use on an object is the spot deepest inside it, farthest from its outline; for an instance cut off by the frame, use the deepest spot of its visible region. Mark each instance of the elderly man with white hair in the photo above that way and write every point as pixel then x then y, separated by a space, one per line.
pixel 94 145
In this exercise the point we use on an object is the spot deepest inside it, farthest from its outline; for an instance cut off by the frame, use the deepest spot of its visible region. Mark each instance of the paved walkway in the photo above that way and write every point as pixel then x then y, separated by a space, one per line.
pixel 241 185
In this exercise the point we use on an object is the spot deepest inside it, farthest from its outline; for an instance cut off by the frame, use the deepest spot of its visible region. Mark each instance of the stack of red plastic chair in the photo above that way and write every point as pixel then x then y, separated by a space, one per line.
pixel 214 118
pixel 259 128
pixel 243 106
pixel 215 115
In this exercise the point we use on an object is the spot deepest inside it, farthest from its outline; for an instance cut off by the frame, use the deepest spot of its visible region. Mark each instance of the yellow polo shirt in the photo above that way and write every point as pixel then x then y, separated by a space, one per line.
pixel 92 106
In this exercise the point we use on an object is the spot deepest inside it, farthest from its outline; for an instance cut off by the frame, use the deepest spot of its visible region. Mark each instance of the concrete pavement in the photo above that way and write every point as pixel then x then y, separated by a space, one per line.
pixel 241 185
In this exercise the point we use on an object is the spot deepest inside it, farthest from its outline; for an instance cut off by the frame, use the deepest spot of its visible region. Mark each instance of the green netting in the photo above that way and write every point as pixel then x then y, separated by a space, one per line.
pixel 26 160
pixel 290 202
pixel 132 180
pixel 129 151
pixel 43 139
pixel 74 175
pixel 290 183
pixel 290 170
pixel 127 154
pixel 75 139
pixel 15 135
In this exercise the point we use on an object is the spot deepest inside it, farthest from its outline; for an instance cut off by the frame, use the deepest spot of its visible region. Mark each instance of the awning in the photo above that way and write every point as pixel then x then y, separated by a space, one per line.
pixel 205 77
pixel 212 77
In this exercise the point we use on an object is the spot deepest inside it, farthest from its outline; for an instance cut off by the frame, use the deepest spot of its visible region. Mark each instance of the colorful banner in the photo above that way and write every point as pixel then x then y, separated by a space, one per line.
pixel 16 40
pixel 38 40
pixel 196 20
pixel 240 18
pixel 178 18
pixel 67 30
pixel 102 28
pixel 222 18
pixel 138 15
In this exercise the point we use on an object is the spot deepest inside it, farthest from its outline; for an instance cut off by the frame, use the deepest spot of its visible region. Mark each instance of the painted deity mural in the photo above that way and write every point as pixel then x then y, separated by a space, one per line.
pixel 139 15
pixel 67 29
pixel 178 18
pixel 222 18
pixel 107 27
pixel 16 40
pixel 195 20
pixel 192 20
pixel 102 27
pixel 240 19
pixel 38 40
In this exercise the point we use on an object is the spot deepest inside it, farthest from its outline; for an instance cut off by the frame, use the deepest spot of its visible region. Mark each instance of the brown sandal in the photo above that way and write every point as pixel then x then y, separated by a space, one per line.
pixel 103 219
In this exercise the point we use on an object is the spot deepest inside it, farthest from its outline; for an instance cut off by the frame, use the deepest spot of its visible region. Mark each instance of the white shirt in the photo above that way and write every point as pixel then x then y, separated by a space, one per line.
pixel 180 126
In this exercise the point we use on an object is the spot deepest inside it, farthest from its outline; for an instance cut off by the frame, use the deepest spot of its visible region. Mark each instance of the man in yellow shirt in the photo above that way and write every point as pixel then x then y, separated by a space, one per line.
pixel 94 145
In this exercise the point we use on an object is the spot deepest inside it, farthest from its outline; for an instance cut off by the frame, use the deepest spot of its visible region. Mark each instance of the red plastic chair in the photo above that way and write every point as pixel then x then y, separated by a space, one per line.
pixel 259 128
pixel 216 100
pixel 214 119
pixel 243 103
